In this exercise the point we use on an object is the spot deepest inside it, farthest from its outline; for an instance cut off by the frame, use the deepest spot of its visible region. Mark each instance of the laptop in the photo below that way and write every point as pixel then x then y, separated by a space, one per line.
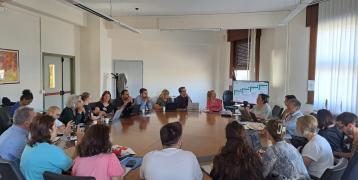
pixel 170 107
pixel 193 107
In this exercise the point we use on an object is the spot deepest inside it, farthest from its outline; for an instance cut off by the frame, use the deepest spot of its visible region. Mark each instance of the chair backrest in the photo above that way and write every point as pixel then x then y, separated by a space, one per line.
pixel 5 120
pixel 228 98
pixel 53 176
pixel 336 171
pixel 10 170
pixel 351 172
pixel 276 111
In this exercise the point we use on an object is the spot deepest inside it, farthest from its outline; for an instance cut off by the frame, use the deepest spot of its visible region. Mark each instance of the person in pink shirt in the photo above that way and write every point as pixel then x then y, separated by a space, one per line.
pixel 213 104
pixel 95 157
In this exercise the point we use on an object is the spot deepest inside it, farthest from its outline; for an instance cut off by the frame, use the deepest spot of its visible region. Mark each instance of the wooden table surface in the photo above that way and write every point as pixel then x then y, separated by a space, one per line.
pixel 203 133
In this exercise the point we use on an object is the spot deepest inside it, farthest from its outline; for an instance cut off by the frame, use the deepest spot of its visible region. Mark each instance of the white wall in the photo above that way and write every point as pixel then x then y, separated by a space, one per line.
pixel 173 59
pixel 284 60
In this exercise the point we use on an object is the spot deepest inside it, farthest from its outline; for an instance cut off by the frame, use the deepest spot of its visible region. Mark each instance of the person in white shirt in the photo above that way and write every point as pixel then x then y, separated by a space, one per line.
pixel 171 162
pixel 317 153
pixel 262 109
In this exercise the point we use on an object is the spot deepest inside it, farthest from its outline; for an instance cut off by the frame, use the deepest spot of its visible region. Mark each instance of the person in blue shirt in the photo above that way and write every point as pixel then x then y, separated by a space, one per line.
pixel 25 99
pixel 143 100
pixel 14 139
pixel 40 154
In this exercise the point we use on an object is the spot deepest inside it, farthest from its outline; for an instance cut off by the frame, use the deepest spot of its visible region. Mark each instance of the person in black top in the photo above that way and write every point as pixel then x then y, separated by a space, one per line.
pixel 236 160
pixel 74 111
pixel 124 104
pixel 86 98
pixel 330 131
pixel 183 99
pixel 104 107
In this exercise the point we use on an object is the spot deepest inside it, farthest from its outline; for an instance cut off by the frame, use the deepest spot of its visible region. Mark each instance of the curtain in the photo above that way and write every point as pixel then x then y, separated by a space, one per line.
pixel 336 81
pixel 252 52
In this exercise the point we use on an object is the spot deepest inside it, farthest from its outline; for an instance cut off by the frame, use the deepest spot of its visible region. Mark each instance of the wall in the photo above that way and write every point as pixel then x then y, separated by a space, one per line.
pixel 32 34
pixel 172 59
pixel 284 60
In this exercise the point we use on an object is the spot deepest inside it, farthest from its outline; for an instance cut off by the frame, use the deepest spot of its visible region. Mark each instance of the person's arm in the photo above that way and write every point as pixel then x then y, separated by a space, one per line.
pixel 117 178
pixel 268 160
pixel 343 154
pixel 66 116
pixel 198 174
pixel 307 161
pixel 149 104
pixel 61 160
pixel 115 169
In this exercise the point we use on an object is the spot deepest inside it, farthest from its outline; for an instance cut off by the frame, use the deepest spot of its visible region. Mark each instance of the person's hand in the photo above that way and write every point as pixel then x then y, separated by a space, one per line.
pixel 79 134
pixel 68 128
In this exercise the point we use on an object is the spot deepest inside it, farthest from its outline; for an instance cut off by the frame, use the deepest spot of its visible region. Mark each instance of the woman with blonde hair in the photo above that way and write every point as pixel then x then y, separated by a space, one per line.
pixel 213 104
pixel 163 99
pixel 317 153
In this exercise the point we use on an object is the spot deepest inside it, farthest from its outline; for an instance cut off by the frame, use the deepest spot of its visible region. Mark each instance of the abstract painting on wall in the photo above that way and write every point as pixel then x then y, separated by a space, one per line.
pixel 9 66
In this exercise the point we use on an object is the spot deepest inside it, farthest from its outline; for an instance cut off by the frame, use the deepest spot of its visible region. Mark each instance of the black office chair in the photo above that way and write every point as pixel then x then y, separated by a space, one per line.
pixel 53 176
pixel 336 171
pixel 5 119
pixel 351 172
pixel 277 111
pixel 228 99
pixel 10 170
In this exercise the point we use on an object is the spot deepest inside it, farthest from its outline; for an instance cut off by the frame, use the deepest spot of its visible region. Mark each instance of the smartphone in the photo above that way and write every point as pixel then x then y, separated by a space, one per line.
pixel 131 163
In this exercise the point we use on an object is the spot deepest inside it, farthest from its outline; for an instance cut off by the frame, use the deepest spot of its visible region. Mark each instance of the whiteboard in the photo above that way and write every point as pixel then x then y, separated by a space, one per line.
pixel 249 90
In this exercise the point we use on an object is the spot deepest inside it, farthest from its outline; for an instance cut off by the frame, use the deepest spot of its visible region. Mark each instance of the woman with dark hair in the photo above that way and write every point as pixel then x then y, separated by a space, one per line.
pixel 104 106
pixel 25 99
pixel 40 154
pixel 236 160
pixel 86 98
pixel 95 157
pixel 330 131
pixel 281 160
pixel 262 109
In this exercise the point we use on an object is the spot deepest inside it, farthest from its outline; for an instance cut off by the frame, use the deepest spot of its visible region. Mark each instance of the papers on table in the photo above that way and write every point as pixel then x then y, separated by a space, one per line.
pixel 253 125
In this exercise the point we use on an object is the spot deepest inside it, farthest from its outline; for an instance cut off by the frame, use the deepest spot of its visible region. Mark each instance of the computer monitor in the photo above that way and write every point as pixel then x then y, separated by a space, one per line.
pixel 249 90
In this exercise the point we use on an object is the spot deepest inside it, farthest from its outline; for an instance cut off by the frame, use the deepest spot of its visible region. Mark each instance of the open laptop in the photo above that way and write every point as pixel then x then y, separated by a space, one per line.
pixel 193 107
pixel 170 107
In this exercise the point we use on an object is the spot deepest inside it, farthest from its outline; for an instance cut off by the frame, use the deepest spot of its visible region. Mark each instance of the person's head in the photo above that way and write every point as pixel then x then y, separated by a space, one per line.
pixel 26 97
pixel 170 135
pixel 275 130
pixel 293 105
pixel 307 125
pixel 124 94
pixel 96 140
pixel 164 94
pixel 237 156
pixel 23 116
pixel 325 119
pixel 182 91
pixel 288 97
pixel 86 97
pixel 54 112
pixel 262 99
pixel 106 97
pixel 42 129
pixel 143 92
pixel 74 102
pixel 347 122
pixel 211 95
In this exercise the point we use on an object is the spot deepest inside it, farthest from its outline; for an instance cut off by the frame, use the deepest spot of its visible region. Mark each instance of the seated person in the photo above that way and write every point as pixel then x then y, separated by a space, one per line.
pixel 183 99
pixel 281 160
pixel 124 104
pixel 74 111
pixel 286 112
pixel 171 162
pixel 213 104
pixel 317 153
pixel 86 98
pixel 55 112
pixel 330 131
pixel 262 109
pixel 25 100
pixel 95 158
pixel 293 109
pixel 348 122
pixel 104 107
pixel 163 100
pixel 14 139
pixel 40 154
pixel 237 159
pixel 143 100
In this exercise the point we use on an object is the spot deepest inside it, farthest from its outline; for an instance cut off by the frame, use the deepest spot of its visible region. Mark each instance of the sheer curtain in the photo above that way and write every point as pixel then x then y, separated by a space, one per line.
pixel 336 84
pixel 252 52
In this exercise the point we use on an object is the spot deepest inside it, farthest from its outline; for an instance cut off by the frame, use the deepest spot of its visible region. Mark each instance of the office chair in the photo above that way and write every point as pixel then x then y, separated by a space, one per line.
pixel 10 170
pixel 228 99
pixel 5 120
pixel 53 176
pixel 336 171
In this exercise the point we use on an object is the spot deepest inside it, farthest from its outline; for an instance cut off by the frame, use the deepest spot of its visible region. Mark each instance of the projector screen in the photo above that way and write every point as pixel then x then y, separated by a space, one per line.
pixel 249 90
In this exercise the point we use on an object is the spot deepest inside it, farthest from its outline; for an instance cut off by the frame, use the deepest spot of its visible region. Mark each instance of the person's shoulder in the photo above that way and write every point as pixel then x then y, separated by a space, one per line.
pixel 187 153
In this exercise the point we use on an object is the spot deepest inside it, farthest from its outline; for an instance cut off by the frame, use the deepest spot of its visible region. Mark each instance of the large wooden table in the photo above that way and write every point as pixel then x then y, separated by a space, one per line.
pixel 203 133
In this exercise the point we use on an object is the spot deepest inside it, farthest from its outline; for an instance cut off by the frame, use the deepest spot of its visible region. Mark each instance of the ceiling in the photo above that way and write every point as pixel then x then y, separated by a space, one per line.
pixel 189 7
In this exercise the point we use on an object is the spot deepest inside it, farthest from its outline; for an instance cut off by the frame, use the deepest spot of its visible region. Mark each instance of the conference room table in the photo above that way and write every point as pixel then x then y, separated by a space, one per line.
pixel 203 133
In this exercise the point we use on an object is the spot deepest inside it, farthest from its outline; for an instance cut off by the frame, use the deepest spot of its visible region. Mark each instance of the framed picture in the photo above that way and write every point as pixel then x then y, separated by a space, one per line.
pixel 9 66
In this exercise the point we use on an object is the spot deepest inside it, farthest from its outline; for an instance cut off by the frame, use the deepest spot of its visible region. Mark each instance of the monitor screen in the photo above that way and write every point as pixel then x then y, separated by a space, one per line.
pixel 249 90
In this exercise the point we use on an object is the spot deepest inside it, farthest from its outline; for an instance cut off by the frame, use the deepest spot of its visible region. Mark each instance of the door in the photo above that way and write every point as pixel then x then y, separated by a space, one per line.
pixel 57 80
pixel 134 73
